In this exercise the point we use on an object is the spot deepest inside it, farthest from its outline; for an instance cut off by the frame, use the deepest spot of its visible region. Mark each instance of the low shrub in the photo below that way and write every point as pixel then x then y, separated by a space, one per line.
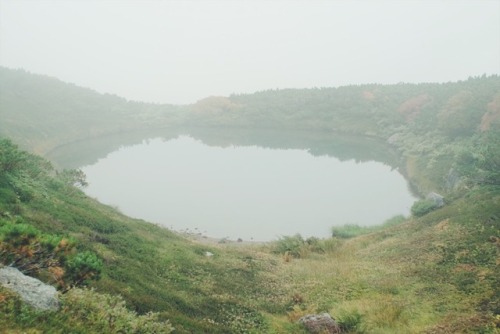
pixel 37 253
pixel 108 314
pixel 351 322
pixel 315 245
pixel 330 245
pixel 298 247
pixel 348 231
pixel 396 220
pixel 83 267
pixel 423 207
pixel 291 245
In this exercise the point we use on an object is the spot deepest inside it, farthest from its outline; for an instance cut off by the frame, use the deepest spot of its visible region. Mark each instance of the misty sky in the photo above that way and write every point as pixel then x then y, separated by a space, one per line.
pixel 182 51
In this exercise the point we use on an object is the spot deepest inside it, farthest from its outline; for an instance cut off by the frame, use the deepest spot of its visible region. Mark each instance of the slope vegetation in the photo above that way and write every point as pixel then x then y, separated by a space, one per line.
pixel 434 272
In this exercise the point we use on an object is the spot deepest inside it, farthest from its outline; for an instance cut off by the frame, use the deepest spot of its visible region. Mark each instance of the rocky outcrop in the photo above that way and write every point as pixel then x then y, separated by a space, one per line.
pixel 436 198
pixel 31 290
pixel 320 323
pixel 452 180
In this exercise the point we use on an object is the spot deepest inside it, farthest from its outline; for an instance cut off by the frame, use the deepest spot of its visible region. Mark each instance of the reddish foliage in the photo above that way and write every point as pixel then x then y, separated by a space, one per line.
pixel 411 108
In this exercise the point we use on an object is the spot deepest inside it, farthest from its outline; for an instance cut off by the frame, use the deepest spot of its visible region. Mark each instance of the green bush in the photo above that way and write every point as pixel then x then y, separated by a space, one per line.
pixel 330 245
pixel 396 220
pixel 422 207
pixel 298 247
pixel 348 231
pixel 351 322
pixel 11 159
pixel 315 245
pixel 73 177
pixel 32 251
pixel 292 245
pixel 104 313
pixel 82 311
pixel 352 230
pixel 15 313
pixel 18 234
pixel 83 267
pixel 7 194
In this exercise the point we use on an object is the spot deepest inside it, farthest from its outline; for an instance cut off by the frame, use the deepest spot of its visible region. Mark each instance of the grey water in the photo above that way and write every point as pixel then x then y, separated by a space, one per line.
pixel 246 192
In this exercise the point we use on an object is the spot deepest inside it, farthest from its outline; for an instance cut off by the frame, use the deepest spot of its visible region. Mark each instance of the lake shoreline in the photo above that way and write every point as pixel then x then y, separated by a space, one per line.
pixel 207 240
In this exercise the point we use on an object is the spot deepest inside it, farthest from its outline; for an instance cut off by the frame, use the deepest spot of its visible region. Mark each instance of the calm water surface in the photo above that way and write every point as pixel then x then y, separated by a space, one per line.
pixel 245 192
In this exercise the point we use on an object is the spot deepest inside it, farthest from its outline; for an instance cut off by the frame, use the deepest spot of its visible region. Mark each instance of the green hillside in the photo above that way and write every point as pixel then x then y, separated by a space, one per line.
pixel 41 112
pixel 435 272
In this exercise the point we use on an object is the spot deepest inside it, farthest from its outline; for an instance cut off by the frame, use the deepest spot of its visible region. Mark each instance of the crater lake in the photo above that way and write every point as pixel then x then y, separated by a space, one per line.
pixel 248 192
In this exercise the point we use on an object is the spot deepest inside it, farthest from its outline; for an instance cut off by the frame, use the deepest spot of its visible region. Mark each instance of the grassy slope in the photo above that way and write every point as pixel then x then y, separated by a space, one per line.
pixel 151 267
pixel 40 113
pixel 437 273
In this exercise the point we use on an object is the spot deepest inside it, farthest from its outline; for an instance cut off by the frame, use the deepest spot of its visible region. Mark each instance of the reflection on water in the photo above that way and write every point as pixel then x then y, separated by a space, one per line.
pixel 246 192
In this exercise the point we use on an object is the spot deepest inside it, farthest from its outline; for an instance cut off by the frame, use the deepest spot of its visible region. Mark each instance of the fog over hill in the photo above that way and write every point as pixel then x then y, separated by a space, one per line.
pixel 183 51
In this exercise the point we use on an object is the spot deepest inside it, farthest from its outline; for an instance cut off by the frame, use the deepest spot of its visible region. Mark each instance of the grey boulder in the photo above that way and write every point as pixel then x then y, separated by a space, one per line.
pixel 31 290
pixel 320 323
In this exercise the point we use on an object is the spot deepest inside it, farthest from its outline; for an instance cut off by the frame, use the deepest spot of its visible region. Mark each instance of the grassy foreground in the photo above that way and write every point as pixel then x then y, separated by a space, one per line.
pixel 435 272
